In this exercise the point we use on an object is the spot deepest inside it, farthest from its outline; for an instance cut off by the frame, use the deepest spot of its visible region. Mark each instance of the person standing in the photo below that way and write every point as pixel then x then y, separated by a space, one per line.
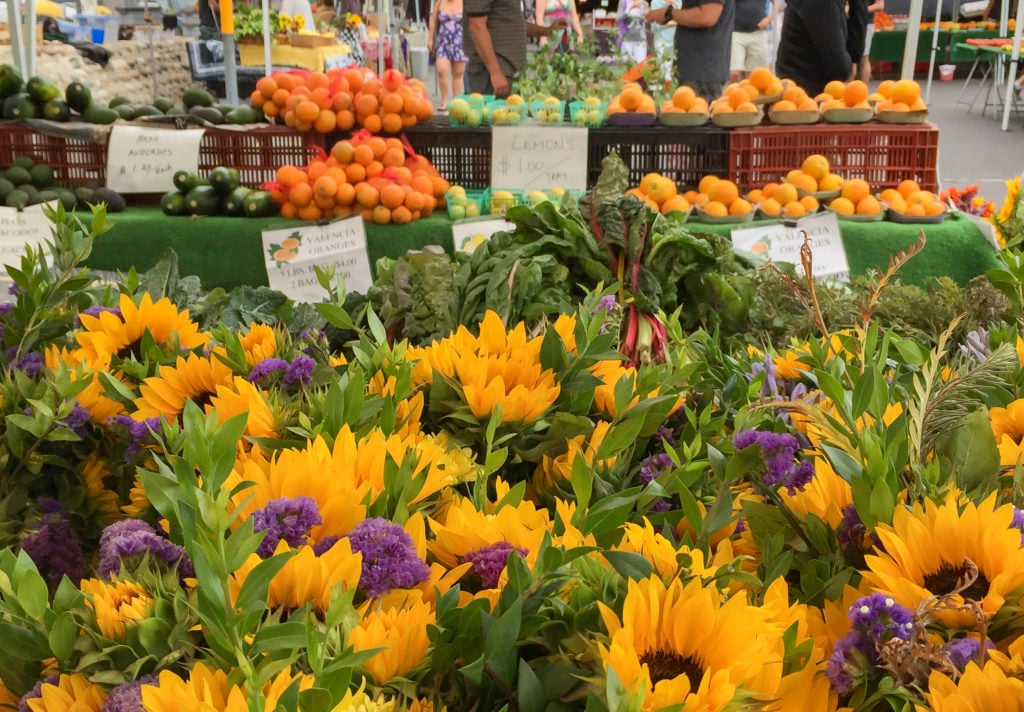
pixel 497 32
pixel 444 39
pixel 664 38
pixel 869 33
pixel 750 37
pixel 703 43
pixel 856 32
pixel 812 49
pixel 632 15
pixel 559 10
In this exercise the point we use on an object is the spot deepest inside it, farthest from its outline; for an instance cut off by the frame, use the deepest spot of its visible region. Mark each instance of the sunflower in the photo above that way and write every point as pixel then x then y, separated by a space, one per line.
pixel 93 397
pixel 116 604
pixel 565 327
pixel 112 333
pixel 558 469
pixel 685 644
pixel 979 689
pixel 360 701
pixel 244 397
pixel 610 372
pixel 825 496
pixel 8 700
pixel 258 343
pixel 1008 428
pixel 194 378
pixel 306 577
pixel 206 689
pixel 670 560
pixel 72 693
pixel 400 633
pixel 92 471
pixel 930 550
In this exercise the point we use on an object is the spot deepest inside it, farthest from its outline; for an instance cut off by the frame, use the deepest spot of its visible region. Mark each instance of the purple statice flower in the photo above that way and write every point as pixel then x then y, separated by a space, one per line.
pixel 36 692
pixel 126 542
pixel 1018 522
pixel 781 466
pixel 665 433
pixel 852 534
pixel 6 309
pixel 770 389
pixel 52 545
pixel 96 310
pixel 977 346
pixel 31 364
pixel 15 289
pixel 651 469
pixel 300 371
pixel 325 544
pixel 963 650
pixel 605 304
pixel 848 664
pixel 139 430
pixel 288 519
pixel 389 557
pixel 312 338
pixel 267 367
pixel 490 561
pixel 128 697
pixel 880 618
pixel 76 420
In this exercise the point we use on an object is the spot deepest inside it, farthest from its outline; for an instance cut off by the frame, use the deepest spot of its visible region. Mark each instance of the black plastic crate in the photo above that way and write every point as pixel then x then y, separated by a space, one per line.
pixel 683 154
pixel 462 156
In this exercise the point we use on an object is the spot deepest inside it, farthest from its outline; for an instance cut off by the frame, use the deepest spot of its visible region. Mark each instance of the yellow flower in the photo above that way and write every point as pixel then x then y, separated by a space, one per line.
pixel 72 693
pixel 206 690
pixel 241 396
pixel 1008 428
pixel 259 343
pixel 401 632
pixel 92 397
pixel 926 551
pixel 306 577
pixel 825 496
pixel 979 689
pixel 116 604
pixel 92 471
pixel 558 469
pixel 195 378
pixel 360 701
pixel 665 556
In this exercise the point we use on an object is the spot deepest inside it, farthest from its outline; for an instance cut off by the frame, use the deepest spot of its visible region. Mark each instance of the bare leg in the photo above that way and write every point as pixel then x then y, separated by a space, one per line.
pixel 444 79
pixel 458 84
pixel 865 69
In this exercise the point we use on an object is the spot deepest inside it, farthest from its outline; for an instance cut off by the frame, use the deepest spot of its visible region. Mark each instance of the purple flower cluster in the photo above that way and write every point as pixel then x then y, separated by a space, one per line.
pixel 770 389
pixel 490 561
pixel 963 650
pixel 876 619
pixel 389 557
pixel 31 364
pixel 300 370
pixel 977 346
pixel 52 544
pixel 77 419
pixel 288 519
pixel 128 697
pixel 36 692
pixel 782 468
pixel 852 534
pixel 312 337
pixel 96 310
pixel 267 367
pixel 140 431
pixel 651 469
pixel 1018 522
pixel 124 544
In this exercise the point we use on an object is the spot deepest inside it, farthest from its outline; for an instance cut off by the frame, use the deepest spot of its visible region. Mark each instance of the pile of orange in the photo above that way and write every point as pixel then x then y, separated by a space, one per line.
pixel 909 199
pixel 839 95
pixel 631 99
pixel 740 96
pixel 792 197
pixel 904 95
pixel 342 98
pixel 794 98
pixel 660 194
pixel 684 99
pixel 366 175
pixel 856 199
pixel 719 197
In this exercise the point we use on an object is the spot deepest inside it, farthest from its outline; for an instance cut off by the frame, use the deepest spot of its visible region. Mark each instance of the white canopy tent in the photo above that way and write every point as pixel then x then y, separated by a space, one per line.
pixel 1014 64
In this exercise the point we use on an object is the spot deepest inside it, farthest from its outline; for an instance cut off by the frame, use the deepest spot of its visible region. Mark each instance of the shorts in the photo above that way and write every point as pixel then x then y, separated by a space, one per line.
pixel 749 51
pixel 869 32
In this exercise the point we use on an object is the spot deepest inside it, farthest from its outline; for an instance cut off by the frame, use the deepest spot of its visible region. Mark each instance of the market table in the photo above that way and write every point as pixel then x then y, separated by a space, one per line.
pixel 316 59
pixel 227 252
pixel 887 46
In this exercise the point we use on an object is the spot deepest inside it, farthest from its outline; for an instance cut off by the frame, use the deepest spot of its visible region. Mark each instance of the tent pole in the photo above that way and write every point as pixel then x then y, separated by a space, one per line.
pixel 30 38
pixel 935 51
pixel 266 38
pixel 14 22
pixel 910 48
pixel 1014 63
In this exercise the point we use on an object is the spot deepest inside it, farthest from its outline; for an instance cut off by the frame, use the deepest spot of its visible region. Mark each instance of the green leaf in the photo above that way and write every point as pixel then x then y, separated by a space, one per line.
pixel 620 436
pixel 582 482
pixel 629 564
pixel 254 590
pixel 279 637
pixel 530 696
pixel 968 456
pixel 62 636
pixel 33 595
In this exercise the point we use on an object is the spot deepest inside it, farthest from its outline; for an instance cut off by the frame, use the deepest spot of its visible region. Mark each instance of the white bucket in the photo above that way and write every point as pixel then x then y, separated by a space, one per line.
pixel 946 72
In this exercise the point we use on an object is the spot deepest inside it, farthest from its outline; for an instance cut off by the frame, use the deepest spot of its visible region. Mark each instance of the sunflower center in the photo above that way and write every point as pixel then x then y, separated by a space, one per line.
pixel 200 399
pixel 948 579
pixel 133 349
pixel 668 666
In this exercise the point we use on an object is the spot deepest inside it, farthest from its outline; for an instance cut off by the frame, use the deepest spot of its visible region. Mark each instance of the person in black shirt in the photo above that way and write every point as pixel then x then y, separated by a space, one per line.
pixel 812 49
pixel 209 19
pixel 856 32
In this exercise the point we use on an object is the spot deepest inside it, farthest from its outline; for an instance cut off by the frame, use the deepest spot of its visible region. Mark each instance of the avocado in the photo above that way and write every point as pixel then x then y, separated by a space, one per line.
pixel 195 96
pixel 67 198
pixel 18 175
pixel 259 204
pixel 56 110
pixel 175 111
pixel 41 176
pixel 223 180
pixel 117 101
pixel 113 199
pixel 99 114
pixel 163 103
pixel 202 200
pixel 243 115
pixel 10 81
pixel 16 199
pixel 30 190
pixel 147 110
pixel 19 106
pixel 85 195
pixel 47 196
pixel 78 96
pixel 25 162
pixel 185 181
pixel 124 111
pixel 234 202
pixel 173 203
pixel 6 187
pixel 42 89
pixel 208 114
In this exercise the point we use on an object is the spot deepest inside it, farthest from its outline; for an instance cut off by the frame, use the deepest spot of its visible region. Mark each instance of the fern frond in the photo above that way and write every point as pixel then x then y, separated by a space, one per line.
pixel 924 385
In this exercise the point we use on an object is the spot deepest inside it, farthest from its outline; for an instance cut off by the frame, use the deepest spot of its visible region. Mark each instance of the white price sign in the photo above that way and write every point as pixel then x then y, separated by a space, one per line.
pixel 539 158
pixel 18 229
pixel 291 254
pixel 782 243
pixel 145 159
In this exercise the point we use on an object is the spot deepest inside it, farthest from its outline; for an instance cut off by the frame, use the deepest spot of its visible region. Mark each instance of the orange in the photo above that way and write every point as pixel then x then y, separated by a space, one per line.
pixel 392 123
pixel 341 211
pixel 652 205
pixel 855 92
pixel 869 206
pixel 920 197
pixel 804 182
pixel 280 97
pixel 637 193
pixel 770 206
pixel 855 190
pixel 288 211
pixel 717 209
pixel 346 120
pixel 414 201
pixel 381 215
pixel 346 194
pixel 307 111
pixel 907 187
pixel 816 166
pixel 807 104
pixel 257 99
pixel 786 193
pixel 321 97
pixel 343 152
pixel 289 176
pixel 266 86
pixel 810 203
pixel 363 154
pixel 374 168
pixel 325 187
pixel 441 186
pixel 825 96
pixel 354 77
pixel 836 89
pixel 761 78
pixel 830 182
pixel 270 109
pixel 392 103
pixel 630 98
pixel 896 202
pixel 721 107
pixel 794 94
pixel 934 208
pixel 700 106
pixel 341 101
pixel 740 207
pixel 662 190
pixel 898 106
pixel 393 157
pixel 676 202
pixel 316 80
pixel 424 110
pixel 784 105
pixel 794 210
pixel 746 108
pixel 755 196
pixel 377 145
pixel 355 172
pixel 736 97
pixel 326 204
pixel 916 210
pixel 843 206
pixel 423 184
pixel 751 90
pixel 919 105
pixel 392 196
pixel 691 195
pixel 906 91
pixel 889 194
pixel 392 79
pixel 724 192
pixel 325 122
pixel 769 189
pixel 401 215
pixel 648 181
pixel 367 196
pixel 706 182
pixel 373 123
pixel 310 212
pixel 366 104
pixel 684 98
pixel 886 87
pixel 300 195
pixel 403 175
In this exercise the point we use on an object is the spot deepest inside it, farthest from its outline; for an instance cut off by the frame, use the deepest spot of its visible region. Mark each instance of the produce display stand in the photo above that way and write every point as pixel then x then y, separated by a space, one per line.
pixel 882 154
pixel 228 252
pixel 77 153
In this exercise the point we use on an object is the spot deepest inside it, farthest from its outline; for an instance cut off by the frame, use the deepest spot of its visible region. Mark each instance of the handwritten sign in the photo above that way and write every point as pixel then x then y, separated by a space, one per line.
pixel 782 243
pixel 538 158
pixel 18 229
pixel 468 234
pixel 145 159
pixel 292 253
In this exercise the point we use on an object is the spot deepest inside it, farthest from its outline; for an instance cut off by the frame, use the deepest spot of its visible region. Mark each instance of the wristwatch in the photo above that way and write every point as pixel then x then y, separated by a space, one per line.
pixel 668 15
